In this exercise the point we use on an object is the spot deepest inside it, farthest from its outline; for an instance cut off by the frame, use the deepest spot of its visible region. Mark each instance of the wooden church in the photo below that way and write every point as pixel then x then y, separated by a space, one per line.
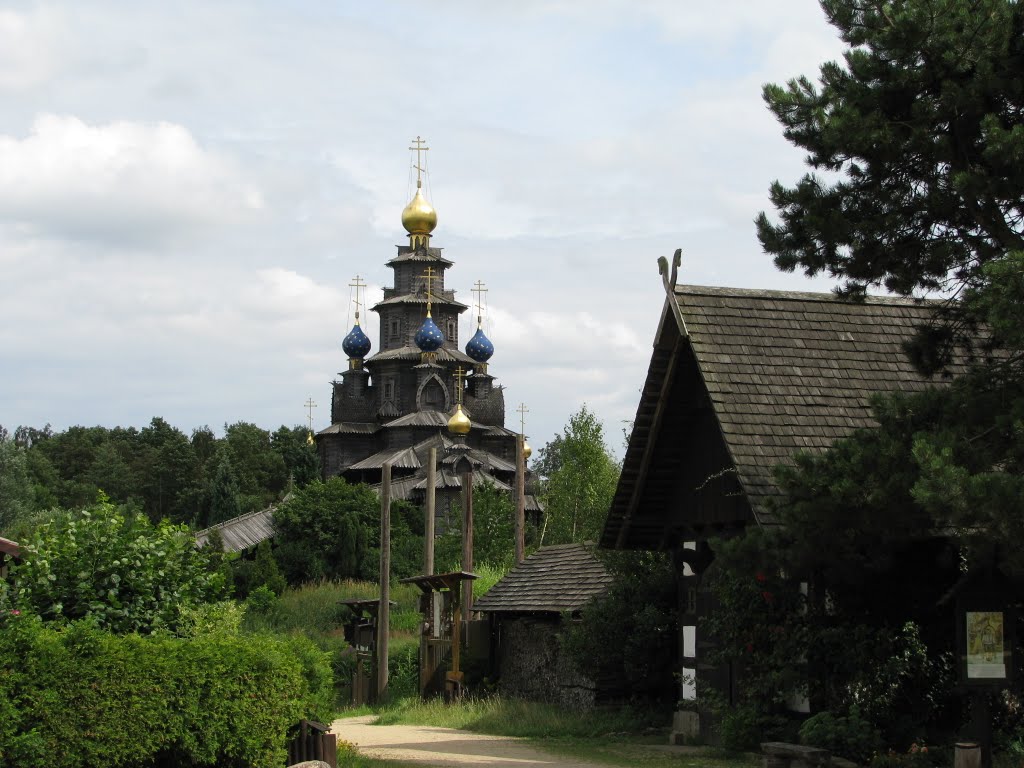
pixel 419 390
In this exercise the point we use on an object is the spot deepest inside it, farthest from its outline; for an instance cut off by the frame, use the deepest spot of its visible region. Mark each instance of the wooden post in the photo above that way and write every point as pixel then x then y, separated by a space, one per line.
pixel 467 540
pixel 520 521
pixel 428 520
pixel 457 598
pixel 384 610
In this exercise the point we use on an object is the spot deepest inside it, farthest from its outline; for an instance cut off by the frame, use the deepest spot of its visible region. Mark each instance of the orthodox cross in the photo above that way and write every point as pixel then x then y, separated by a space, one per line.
pixel 419 149
pixel 310 405
pixel 460 375
pixel 429 276
pixel 479 290
pixel 358 284
pixel 522 410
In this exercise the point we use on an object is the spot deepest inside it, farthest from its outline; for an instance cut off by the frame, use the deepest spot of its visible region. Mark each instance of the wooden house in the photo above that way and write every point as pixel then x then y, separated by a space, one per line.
pixel 739 381
pixel 527 609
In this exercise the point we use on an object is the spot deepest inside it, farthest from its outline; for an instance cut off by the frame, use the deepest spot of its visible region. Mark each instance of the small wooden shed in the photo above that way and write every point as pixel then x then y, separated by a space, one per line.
pixel 527 609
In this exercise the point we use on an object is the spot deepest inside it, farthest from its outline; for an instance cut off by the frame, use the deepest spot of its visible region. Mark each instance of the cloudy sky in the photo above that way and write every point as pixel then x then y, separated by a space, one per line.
pixel 186 190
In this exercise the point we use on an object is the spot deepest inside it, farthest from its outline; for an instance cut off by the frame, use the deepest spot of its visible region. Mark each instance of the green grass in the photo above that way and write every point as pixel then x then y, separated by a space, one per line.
pixel 315 608
pixel 629 751
pixel 512 717
pixel 487 577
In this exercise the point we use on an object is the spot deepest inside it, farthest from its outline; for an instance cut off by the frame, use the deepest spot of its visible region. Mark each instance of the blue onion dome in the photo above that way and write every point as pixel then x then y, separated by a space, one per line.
pixel 480 347
pixel 356 344
pixel 429 337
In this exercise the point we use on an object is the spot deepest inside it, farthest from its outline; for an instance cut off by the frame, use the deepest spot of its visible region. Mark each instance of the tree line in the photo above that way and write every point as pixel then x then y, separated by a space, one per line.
pixel 199 479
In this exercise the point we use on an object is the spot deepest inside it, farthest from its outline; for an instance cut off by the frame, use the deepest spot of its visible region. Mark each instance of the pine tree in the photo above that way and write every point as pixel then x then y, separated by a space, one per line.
pixel 224 502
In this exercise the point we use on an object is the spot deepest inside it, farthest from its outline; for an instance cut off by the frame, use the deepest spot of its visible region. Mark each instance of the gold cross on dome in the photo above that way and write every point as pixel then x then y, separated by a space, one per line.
pixel 522 410
pixel 310 405
pixel 460 375
pixel 359 284
pixel 479 290
pixel 429 275
pixel 419 149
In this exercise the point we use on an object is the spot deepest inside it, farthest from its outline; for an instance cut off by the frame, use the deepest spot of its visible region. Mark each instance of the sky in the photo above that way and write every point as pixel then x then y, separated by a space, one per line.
pixel 187 190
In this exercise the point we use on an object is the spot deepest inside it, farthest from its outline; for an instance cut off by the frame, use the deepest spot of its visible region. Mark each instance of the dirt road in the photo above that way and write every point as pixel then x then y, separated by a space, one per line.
pixel 427 745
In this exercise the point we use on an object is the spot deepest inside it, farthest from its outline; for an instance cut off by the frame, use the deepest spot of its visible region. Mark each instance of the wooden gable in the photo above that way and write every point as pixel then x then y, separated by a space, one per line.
pixel 740 381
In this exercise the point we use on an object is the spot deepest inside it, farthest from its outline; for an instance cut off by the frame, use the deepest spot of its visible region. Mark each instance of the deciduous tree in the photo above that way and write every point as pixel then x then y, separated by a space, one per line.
pixel 581 482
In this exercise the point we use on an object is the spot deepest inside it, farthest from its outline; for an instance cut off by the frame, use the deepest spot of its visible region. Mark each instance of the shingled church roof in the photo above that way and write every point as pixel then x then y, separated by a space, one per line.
pixel 561 577
pixel 783 372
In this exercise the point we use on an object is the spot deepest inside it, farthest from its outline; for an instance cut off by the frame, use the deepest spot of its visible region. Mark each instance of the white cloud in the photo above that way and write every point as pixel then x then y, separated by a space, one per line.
pixel 119 181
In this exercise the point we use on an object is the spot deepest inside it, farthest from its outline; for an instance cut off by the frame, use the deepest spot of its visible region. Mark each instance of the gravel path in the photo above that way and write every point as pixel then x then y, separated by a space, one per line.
pixel 427 745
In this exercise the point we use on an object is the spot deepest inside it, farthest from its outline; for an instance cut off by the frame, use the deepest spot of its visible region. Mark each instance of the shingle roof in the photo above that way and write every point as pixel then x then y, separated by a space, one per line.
pixel 350 428
pixel 444 298
pixel 405 253
pixel 409 352
pixel 562 577
pixel 243 531
pixel 783 371
pixel 795 371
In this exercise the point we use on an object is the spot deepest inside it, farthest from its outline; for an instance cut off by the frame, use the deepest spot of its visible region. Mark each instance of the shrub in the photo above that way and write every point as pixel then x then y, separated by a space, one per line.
pixel 628 636
pixel 119 570
pixel 851 736
pixel 80 696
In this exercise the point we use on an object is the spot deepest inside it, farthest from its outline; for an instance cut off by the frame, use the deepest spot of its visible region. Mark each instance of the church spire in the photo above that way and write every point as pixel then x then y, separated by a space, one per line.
pixel 419 218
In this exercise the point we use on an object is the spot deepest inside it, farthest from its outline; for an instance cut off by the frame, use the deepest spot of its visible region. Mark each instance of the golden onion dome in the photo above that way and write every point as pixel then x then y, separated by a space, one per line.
pixel 527 450
pixel 419 217
pixel 459 423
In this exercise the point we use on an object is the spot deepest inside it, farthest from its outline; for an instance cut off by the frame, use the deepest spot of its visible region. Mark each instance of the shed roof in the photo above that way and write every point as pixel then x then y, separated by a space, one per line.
pixel 241 532
pixel 561 577
pixel 783 371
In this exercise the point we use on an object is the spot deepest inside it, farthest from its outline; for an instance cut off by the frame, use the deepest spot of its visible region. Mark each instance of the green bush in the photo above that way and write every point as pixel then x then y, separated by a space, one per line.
pixel 851 736
pixel 119 570
pixel 82 697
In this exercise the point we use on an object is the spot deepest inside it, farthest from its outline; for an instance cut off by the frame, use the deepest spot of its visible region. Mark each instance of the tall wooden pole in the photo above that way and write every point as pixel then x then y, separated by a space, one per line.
pixel 467 540
pixel 520 521
pixel 384 609
pixel 428 521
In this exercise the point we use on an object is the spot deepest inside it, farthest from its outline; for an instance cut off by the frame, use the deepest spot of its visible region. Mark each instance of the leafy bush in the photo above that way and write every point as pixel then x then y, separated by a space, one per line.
pixel 326 530
pixel 851 736
pixel 119 570
pixel 79 696
pixel 249 575
pixel 629 635
pixel 261 600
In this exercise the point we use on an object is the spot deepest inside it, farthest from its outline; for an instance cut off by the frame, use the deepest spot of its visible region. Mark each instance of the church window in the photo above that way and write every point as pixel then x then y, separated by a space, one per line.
pixel 452 332
pixel 389 389
pixel 432 397
pixel 394 329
